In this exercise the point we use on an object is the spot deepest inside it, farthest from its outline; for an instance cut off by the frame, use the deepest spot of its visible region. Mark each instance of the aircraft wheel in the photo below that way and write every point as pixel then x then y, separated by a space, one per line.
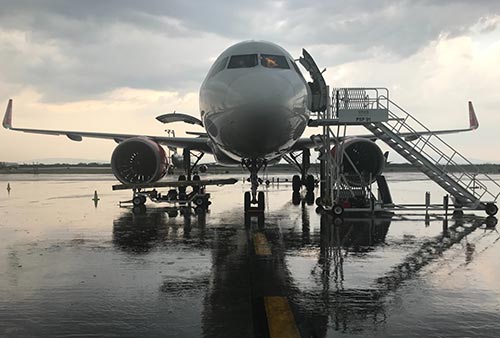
pixel 491 222
pixel 295 198
pixel 138 200
pixel 247 201
pixel 296 183
pixel 196 188
pixel 199 201
pixel 182 198
pixel 491 209
pixel 182 189
pixel 337 210
pixel 310 183
pixel 260 200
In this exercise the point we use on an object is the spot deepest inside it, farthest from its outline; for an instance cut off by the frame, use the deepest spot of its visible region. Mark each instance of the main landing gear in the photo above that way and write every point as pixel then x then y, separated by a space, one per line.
pixel 184 197
pixel 297 184
pixel 302 160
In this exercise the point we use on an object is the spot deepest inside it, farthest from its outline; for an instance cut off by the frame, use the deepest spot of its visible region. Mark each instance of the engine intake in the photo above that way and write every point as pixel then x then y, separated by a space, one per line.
pixel 363 161
pixel 139 160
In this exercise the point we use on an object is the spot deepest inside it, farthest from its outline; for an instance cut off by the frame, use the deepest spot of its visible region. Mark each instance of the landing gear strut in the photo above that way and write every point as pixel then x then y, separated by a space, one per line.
pixel 252 197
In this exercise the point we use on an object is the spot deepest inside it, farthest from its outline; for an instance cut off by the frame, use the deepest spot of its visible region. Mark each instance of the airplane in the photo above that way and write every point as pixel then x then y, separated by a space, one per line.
pixel 255 104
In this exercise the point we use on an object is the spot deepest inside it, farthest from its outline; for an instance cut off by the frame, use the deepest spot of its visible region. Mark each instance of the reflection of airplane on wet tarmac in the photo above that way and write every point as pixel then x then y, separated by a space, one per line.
pixel 254 105
pixel 320 294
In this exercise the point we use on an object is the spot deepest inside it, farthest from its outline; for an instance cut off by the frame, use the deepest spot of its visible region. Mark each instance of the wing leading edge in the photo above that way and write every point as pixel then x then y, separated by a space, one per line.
pixel 198 143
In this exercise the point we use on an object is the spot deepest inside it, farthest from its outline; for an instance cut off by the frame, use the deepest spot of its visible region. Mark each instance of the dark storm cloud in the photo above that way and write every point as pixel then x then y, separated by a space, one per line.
pixel 81 49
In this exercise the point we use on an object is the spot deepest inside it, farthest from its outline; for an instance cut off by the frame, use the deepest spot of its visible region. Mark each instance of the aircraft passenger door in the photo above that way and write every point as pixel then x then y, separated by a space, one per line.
pixel 318 86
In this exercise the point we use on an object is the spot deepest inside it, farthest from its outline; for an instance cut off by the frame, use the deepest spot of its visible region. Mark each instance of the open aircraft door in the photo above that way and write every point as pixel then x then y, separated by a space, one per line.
pixel 318 87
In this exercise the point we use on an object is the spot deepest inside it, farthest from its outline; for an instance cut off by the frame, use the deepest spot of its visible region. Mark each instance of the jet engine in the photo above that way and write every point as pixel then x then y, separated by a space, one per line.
pixel 363 161
pixel 139 160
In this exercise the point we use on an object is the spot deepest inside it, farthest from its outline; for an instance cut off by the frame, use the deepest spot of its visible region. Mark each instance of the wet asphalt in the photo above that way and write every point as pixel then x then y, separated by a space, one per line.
pixel 69 268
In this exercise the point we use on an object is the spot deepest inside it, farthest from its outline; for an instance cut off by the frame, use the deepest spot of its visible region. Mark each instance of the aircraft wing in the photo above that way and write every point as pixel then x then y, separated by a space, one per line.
pixel 473 125
pixel 198 143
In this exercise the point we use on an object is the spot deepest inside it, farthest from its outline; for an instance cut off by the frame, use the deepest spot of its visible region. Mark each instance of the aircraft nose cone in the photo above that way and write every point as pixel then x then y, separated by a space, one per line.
pixel 259 88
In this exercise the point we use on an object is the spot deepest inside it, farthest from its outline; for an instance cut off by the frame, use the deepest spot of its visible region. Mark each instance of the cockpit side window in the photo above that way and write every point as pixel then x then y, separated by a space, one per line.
pixel 219 66
pixel 243 61
pixel 274 61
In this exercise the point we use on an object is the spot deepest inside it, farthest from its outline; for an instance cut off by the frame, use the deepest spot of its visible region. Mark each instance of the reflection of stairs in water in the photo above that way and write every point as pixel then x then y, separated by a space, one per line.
pixel 427 252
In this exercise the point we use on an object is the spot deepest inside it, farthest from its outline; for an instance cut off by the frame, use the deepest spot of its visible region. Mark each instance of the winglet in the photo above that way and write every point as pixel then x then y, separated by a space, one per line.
pixel 7 120
pixel 473 122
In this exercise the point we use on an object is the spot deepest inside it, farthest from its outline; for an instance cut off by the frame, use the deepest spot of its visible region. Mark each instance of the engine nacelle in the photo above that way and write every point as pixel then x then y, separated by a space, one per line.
pixel 364 155
pixel 139 160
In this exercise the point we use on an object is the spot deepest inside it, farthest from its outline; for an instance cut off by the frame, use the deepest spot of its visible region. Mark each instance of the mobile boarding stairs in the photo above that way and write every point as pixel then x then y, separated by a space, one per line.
pixel 425 150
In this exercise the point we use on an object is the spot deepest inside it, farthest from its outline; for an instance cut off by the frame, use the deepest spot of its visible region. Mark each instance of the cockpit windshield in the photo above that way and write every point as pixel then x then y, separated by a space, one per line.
pixel 274 61
pixel 243 61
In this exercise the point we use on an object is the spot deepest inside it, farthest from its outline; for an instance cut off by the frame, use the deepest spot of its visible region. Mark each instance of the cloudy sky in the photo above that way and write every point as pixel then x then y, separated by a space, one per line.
pixel 115 65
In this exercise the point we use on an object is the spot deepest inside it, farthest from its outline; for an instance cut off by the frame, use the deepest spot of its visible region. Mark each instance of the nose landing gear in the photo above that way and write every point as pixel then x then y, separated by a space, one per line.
pixel 254 201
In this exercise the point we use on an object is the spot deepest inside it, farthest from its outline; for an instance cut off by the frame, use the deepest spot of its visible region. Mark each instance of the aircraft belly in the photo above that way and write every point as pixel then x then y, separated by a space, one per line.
pixel 266 134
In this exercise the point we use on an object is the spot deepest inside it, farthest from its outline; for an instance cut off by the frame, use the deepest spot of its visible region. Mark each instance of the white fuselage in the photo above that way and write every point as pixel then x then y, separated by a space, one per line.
pixel 254 102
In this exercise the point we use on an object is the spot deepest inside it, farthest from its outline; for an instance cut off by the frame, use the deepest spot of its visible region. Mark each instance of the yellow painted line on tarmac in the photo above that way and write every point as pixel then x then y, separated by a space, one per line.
pixel 261 244
pixel 280 318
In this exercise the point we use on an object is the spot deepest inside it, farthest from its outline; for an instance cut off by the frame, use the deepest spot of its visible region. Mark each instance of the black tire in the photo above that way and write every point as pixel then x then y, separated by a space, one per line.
pixel 491 209
pixel 296 183
pixel 138 200
pixel 310 183
pixel 182 189
pixel 199 210
pixel 199 201
pixel 295 198
pixel 182 198
pixel 319 209
pixel 247 201
pixel 491 222
pixel 196 188
pixel 337 210
pixel 261 201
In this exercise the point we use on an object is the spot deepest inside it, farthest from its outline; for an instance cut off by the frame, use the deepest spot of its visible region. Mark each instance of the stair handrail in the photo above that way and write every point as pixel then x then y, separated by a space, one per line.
pixel 438 151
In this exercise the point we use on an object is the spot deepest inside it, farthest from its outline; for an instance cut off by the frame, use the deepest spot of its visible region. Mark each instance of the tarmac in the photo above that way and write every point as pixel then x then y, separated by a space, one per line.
pixel 73 268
